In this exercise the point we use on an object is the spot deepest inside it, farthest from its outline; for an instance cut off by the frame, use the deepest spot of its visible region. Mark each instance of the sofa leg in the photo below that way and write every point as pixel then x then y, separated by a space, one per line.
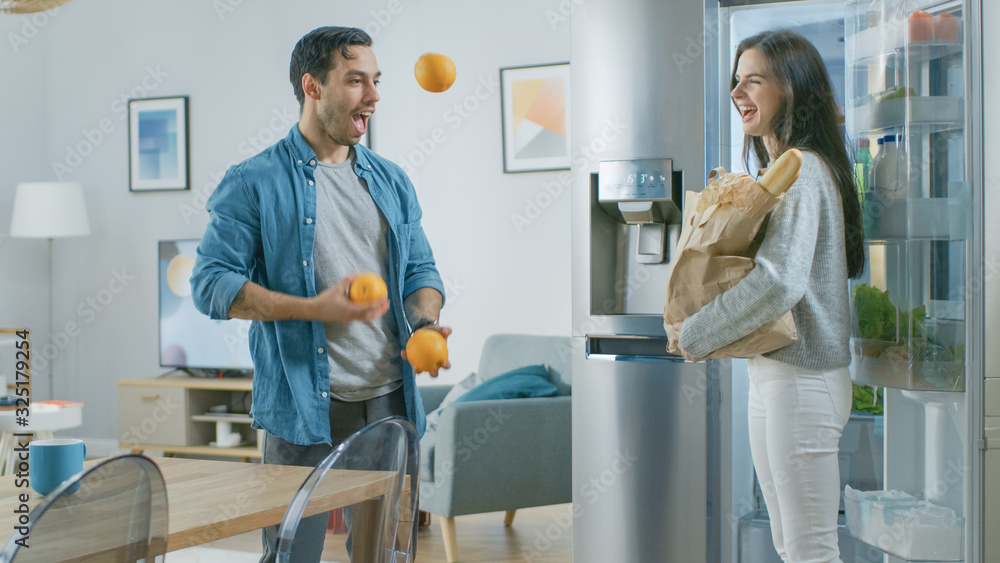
pixel 508 518
pixel 450 541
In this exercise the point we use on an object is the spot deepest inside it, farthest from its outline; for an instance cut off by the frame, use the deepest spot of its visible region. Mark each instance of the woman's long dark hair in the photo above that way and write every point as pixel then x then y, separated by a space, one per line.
pixel 807 119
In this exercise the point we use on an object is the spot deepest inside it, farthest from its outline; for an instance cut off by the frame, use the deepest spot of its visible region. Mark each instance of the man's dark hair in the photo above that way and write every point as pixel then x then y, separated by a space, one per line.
pixel 313 52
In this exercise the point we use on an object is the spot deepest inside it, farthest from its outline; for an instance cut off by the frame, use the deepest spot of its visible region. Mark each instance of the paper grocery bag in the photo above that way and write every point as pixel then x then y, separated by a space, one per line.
pixel 714 252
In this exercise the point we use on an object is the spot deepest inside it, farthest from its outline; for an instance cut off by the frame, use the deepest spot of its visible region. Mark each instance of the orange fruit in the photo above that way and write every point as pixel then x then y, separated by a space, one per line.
pixel 435 72
pixel 427 350
pixel 367 288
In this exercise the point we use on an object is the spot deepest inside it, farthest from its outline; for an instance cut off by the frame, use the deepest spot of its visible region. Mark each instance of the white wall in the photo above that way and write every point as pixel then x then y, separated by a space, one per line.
pixel 231 58
pixel 24 281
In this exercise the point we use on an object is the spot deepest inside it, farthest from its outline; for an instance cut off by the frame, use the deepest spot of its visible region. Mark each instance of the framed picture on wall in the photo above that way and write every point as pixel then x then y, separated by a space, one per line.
pixel 534 102
pixel 158 144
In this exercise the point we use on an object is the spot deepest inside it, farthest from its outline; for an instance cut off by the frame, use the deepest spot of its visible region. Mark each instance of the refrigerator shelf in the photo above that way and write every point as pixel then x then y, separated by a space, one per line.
pixel 934 218
pixel 891 39
pixel 931 368
pixel 922 114
pixel 903 526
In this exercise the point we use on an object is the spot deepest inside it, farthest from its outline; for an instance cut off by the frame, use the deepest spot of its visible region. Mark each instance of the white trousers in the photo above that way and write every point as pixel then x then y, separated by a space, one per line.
pixel 796 416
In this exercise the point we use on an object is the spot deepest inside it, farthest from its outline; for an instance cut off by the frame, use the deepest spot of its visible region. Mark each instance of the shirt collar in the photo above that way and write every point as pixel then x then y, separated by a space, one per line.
pixel 301 150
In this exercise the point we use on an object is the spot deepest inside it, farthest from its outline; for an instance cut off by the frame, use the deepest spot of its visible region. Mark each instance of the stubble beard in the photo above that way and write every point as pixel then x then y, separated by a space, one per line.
pixel 328 122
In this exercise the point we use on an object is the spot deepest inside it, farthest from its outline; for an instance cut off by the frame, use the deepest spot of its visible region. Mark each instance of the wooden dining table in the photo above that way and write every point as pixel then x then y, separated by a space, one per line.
pixel 210 500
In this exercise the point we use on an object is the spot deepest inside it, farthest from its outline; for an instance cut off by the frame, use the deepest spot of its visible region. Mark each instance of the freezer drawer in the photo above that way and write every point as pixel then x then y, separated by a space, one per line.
pixel 645 461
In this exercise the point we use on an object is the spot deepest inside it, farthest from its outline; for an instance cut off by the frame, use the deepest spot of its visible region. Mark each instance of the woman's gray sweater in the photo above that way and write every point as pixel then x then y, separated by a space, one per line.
pixel 801 266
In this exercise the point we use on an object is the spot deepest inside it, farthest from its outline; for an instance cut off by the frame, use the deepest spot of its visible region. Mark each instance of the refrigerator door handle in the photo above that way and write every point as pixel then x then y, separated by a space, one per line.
pixel 622 348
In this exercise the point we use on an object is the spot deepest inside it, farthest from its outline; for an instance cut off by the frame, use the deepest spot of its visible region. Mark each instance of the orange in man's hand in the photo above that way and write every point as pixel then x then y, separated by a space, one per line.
pixel 367 288
pixel 435 72
pixel 427 350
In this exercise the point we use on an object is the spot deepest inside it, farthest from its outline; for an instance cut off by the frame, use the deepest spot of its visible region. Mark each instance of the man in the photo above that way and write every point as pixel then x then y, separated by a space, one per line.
pixel 289 230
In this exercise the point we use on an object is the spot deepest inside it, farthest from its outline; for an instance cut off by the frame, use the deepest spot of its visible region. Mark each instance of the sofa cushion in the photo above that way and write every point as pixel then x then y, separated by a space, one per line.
pixel 503 352
pixel 522 382
pixel 457 390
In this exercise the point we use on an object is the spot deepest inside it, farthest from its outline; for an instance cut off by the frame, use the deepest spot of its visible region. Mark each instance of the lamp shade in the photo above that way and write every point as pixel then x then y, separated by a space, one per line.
pixel 49 210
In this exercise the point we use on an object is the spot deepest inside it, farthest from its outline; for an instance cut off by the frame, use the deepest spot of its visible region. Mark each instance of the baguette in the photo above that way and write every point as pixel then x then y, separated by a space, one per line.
pixel 783 173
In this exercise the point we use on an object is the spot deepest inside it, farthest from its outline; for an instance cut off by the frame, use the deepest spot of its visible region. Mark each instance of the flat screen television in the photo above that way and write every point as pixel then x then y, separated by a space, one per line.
pixel 189 340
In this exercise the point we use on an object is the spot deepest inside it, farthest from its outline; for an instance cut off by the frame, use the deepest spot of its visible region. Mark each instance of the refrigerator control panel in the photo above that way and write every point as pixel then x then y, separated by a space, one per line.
pixel 645 179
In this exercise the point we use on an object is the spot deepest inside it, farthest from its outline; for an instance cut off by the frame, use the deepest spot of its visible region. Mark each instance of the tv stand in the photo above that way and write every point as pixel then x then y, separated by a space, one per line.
pixel 171 414
pixel 210 372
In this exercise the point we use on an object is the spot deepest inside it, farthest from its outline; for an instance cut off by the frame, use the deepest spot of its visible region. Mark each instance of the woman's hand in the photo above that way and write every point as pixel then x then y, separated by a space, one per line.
pixel 677 327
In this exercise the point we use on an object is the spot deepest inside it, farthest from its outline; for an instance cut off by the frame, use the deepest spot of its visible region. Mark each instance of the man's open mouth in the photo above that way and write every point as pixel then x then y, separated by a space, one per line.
pixel 361 121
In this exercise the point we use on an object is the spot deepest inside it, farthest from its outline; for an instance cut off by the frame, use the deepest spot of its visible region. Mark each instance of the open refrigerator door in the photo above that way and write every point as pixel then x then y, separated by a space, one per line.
pixel 906 102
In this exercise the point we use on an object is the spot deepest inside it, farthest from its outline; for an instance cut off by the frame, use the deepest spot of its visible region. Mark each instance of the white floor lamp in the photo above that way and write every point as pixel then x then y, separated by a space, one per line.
pixel 49 210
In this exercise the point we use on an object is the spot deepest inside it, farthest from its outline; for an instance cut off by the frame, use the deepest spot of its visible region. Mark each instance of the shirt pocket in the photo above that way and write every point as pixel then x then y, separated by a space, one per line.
pixel 403 231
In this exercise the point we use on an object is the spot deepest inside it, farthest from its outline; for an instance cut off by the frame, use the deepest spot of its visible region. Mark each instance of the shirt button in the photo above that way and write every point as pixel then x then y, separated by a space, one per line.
pixel 305 263
pixel 324 394
pixel 312 162
pixel 310 182
pixel 320 350
pixel 369 166
pixel 300 162
pixel 309 221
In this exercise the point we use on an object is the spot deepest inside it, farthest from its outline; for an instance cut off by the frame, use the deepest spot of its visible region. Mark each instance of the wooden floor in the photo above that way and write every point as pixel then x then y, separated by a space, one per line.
pixel 540 535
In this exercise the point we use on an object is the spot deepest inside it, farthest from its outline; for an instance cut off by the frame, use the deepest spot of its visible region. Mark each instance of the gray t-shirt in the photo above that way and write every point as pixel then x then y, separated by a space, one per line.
pixel 352 236
pixel 801 266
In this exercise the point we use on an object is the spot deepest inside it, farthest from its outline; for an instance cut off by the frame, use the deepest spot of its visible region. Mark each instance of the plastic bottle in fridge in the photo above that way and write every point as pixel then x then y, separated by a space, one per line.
pixel 885 213
pixel 870 205
pixel 879 155
pixel 862 165
pixel 887 174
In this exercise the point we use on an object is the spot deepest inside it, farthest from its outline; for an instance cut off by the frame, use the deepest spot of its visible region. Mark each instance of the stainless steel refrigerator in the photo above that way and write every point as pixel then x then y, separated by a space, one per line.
pixel 645 424
pixel 661 468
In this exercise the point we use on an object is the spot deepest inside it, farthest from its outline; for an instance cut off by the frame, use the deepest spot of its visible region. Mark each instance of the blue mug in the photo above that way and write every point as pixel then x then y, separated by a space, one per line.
pixel 50 462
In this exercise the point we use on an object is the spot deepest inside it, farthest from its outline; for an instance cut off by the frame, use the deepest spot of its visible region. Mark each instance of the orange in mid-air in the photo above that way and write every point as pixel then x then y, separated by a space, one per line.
pixel 435 72
pixel 367 288
pixel 427 350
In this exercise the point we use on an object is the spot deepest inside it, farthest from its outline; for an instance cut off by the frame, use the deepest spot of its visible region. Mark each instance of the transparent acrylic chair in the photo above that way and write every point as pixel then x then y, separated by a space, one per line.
pixel 381 530
pixel 114 511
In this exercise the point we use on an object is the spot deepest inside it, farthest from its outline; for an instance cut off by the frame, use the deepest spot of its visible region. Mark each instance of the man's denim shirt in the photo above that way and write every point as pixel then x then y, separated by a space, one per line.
pixel 261 229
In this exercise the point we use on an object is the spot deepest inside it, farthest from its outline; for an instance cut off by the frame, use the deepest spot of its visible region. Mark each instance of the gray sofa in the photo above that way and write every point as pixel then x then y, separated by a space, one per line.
pixel 499 455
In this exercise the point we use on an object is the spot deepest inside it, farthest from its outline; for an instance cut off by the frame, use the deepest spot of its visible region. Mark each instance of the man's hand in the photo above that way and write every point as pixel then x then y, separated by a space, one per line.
pixel 445 332
pixel 332 305
pixel 677 327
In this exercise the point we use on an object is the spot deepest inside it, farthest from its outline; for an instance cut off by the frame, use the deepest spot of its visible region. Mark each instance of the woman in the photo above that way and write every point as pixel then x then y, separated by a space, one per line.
pixel 800 395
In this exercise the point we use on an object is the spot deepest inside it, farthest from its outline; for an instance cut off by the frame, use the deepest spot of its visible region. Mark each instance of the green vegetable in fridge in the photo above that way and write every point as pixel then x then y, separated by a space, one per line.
pixel 867 399
pixel 876 316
